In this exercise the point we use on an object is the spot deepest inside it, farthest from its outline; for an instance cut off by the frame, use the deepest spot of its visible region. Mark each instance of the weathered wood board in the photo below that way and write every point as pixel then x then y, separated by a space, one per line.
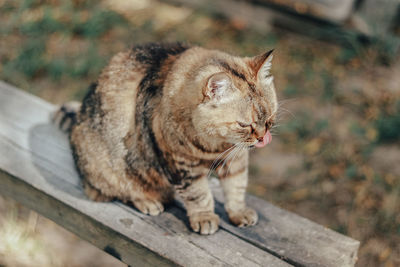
pixel 333 10
pixel 36 168
pixel 255 11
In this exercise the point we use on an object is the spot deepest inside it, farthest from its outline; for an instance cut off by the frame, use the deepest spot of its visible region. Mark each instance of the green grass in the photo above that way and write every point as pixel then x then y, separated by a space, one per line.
pixel 32 60
pixel 99 22
pixel 42 27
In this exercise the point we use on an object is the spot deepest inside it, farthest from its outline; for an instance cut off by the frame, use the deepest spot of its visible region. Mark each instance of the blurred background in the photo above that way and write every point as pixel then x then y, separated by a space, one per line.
pixel 335 157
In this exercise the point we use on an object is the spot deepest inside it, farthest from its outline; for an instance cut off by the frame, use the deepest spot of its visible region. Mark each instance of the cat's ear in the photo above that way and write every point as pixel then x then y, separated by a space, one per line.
pixel 218 85
pixel 261 65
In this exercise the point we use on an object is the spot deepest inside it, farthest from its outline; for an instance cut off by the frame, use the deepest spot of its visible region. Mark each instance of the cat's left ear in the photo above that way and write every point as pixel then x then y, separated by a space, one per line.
pixel 218 86
pixel 261 65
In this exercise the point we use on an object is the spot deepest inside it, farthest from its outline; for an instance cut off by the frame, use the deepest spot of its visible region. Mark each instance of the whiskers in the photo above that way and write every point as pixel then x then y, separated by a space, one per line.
pixel 228 155
pixel 274 129
pixel 282 111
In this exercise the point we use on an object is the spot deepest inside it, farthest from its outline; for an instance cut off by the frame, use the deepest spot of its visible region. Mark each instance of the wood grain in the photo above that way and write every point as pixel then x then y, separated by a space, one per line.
pixel 37 169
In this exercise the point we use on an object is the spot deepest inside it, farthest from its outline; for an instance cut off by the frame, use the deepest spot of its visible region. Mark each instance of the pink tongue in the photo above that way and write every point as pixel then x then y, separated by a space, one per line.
pixel 266 140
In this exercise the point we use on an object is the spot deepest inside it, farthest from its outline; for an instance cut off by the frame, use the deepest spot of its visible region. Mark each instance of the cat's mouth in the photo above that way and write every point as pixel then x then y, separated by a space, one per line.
pixel 266 139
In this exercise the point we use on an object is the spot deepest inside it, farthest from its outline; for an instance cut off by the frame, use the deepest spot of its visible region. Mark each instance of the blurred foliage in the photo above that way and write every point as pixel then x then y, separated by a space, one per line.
pixel 67 21
pixel 388 126
pixel 338 144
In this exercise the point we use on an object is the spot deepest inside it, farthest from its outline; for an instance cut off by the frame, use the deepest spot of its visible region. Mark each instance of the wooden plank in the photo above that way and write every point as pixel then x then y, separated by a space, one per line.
pixel 37 170
pixel 37 153
pixel 256 16
pixel 259 12
pixel 293 238
pixel 332 10
pixel 74 221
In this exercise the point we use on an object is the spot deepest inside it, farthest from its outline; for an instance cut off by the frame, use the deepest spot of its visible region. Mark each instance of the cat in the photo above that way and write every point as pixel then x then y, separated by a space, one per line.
pixel 161 117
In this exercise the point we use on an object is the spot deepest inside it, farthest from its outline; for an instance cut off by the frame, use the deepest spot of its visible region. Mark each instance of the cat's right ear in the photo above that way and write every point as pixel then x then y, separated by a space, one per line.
pixel 218 86
pixel 261 65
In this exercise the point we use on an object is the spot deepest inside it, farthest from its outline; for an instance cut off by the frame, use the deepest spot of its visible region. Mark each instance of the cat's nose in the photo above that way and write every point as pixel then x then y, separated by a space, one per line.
pixel 260 134
pixel 260 139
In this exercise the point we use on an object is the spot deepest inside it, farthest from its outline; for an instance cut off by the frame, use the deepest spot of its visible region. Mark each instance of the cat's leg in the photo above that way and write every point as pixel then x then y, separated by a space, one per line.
pixel 234 187
pixel 234 177
pixel 199 204
pixel 150 190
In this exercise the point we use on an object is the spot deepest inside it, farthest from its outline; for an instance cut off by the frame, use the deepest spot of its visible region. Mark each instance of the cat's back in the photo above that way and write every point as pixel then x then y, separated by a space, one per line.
pixel 111 105
pixel 108 109
pixel 143 67
pixel 112 101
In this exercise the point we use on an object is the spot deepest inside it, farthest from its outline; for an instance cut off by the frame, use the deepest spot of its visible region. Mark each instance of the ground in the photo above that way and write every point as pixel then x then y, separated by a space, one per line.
pixel 334 157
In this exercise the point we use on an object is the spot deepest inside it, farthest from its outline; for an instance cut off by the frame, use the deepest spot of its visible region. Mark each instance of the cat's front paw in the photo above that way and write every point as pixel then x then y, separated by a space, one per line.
pixel 244 217
pixel 205 223
pixel 147 206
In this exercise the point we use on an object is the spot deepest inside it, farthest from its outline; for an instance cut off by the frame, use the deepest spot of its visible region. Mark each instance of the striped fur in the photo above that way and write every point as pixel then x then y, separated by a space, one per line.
pixel 160 116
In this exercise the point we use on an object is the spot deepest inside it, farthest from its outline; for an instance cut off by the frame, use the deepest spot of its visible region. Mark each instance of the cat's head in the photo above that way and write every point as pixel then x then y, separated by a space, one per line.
pixel 239 101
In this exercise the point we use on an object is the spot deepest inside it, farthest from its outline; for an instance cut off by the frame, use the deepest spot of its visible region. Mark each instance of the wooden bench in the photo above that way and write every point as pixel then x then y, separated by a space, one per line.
pixel 36 169
pixel 341 21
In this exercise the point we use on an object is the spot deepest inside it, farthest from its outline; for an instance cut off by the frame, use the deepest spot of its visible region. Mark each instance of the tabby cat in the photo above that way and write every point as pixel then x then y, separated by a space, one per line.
pixel 161 117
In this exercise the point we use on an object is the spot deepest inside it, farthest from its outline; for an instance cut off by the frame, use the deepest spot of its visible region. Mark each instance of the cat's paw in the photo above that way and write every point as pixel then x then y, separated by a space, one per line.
pixel 244 217
pixel 205 223
pixel 147 206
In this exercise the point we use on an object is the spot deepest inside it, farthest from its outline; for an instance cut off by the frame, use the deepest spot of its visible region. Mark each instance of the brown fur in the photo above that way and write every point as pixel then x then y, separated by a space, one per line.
pixel 157 119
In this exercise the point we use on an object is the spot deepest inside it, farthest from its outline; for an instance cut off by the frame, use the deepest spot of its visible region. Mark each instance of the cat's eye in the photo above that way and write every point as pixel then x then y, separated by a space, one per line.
pixel 244 125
